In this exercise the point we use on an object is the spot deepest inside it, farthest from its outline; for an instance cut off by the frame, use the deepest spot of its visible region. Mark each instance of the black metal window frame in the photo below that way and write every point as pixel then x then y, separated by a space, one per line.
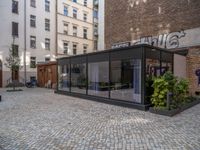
pixel 141 49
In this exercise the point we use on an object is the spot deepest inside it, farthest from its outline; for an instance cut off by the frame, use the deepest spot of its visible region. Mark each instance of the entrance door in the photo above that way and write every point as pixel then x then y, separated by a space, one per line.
pixel 15 75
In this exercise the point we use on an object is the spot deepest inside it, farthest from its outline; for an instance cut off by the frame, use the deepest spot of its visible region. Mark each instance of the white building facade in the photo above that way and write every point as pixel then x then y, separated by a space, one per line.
pixel 75 27
pixel 31 24
pixel 43 30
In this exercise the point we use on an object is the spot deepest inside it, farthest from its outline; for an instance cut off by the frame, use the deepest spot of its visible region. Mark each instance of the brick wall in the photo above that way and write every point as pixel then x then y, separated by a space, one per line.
pixel 127 20
pixel 193 63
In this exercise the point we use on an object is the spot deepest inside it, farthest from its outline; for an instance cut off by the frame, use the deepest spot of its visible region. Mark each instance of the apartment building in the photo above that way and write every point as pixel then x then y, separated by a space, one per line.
pixel 75 27
pixel 31 25
pixel 43 30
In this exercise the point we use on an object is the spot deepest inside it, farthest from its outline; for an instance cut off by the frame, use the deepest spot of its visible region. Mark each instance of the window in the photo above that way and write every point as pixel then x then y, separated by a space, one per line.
pixel 47 59
pixel 75 1
pixel 15 29
pixel 47 44
pixel 98 75
pixel 74 30
pixel 33 62
pixel 15 7
pixel 65 10
pixel 85 48
pixel 47 24
pixel 95 14
pixel 47 6
pixel 85 2
pixel 33 21
pixel 96 30
pixel 15 50
pixel 74 49
pixel 33 42
pixel 33 3
pixel 65 28
pixel 95 45
pixel 84 17
pixel 85 33
pixel 65 47
pixel 64 76
pixel 75 13
pixel 78 75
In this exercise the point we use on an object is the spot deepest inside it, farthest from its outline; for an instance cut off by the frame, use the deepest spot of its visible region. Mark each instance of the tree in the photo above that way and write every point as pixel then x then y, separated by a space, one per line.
pixel 13 62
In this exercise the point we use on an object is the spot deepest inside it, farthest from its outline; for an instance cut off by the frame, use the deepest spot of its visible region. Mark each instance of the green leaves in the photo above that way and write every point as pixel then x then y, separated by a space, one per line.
pixel 169 83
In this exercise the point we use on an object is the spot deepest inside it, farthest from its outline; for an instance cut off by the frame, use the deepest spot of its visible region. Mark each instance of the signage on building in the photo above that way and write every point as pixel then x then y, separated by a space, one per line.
pixel 121 45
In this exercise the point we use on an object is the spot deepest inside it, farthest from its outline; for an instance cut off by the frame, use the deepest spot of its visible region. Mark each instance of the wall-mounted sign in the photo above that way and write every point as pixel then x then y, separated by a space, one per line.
pixel 121 45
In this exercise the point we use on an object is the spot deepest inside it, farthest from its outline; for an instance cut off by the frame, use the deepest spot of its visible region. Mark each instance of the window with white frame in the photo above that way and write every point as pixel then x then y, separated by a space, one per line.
pixel 65 47
pixel 47 5
pixel 85 17
pixel 47 44
pixel 15 7
pixel 33 42
pixel 75 11
pixel 32 21
pixel 47 59
pixel 75 1
pixel 74 30
pixel 65 10
pixel 33 3
pixel 85 47
pixel 84 33
pixel 33 62
pixel 47 24
pixel 65 28
pixel 74 48
pixel 85 2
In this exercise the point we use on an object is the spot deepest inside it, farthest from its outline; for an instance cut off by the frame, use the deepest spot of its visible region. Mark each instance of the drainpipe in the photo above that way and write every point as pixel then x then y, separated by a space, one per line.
pixel 56 28
pixel 24 41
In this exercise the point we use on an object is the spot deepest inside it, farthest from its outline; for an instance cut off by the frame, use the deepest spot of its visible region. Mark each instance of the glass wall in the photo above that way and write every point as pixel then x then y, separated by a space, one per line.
pixel 122 74
pixel 98 75
pixel 166 62
pixel 78 75
pixel 64 76
pixel 152 62
pixel 126 76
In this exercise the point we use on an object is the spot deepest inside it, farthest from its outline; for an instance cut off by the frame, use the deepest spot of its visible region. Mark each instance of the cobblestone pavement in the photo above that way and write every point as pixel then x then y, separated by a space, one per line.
pixel 38 119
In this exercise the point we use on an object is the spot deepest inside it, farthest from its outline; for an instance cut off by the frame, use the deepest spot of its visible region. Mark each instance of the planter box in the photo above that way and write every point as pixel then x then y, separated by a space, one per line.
pixel 173 112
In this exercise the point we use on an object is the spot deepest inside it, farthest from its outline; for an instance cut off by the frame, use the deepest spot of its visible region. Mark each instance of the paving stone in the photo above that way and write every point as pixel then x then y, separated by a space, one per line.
pixel 38 119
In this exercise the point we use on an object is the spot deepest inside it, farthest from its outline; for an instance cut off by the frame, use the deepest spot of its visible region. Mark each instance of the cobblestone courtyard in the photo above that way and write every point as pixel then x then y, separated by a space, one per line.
pixel 38 119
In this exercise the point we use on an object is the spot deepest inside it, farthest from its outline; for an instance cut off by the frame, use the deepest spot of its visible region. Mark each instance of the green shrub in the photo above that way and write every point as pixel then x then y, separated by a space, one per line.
pixel 169 83
pixel 159 96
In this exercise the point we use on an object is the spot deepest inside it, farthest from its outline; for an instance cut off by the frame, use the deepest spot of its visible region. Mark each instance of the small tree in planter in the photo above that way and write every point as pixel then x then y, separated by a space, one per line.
pixel 13 62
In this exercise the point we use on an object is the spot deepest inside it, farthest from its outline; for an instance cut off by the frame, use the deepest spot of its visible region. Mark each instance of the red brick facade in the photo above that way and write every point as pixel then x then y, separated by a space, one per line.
pixel 193 63
pixel 126 20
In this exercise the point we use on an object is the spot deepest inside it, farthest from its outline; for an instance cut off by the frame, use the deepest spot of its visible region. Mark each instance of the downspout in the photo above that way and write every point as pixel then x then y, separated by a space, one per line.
pixel 56 37
pixel 24 42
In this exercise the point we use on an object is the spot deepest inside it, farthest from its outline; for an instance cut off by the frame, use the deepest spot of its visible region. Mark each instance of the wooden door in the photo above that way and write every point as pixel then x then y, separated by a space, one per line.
pixel 15 75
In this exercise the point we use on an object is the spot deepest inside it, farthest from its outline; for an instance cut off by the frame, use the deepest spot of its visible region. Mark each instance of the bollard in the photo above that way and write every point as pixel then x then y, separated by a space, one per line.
pixel 169 95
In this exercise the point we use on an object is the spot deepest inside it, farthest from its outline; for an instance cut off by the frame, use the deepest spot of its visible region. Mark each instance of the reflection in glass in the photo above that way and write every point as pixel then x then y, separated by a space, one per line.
pixel 166 64
pixel 63 77
pixel 152 67
pixel 126 80
pixel 98 79
pixel 78 78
